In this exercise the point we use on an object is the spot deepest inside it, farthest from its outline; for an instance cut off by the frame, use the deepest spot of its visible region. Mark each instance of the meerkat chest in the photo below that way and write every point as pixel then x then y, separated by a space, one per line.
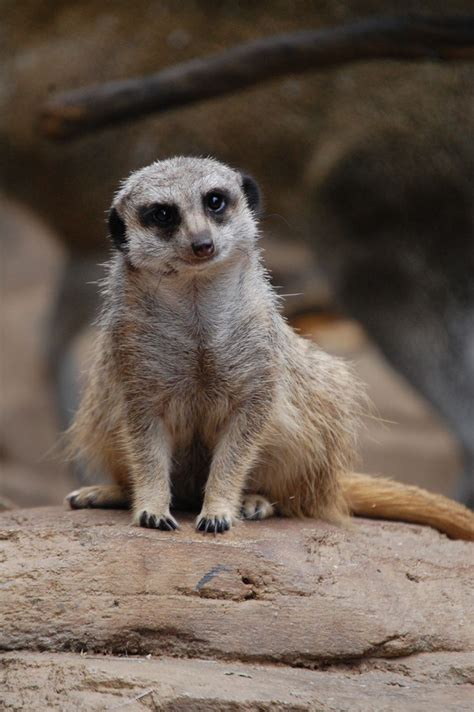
pixel 193 363
pixel 201 384
pixel 195 355
pixel 206 360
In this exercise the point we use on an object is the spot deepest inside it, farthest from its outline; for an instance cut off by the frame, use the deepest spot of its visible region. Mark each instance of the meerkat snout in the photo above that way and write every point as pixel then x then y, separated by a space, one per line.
pixel 203 246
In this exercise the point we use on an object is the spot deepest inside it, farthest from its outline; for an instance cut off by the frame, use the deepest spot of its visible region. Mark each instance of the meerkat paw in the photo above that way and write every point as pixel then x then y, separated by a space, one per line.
pixel 215 520
pixel 99 496
pixel 254 506
pixel 151 520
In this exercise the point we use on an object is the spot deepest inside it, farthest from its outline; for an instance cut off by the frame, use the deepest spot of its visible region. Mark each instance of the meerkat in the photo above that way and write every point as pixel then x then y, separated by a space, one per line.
pixel 201 395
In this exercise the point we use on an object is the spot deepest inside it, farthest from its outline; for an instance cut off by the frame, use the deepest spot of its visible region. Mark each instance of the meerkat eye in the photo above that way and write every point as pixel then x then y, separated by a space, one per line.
pixel 215 202
pixel 160 215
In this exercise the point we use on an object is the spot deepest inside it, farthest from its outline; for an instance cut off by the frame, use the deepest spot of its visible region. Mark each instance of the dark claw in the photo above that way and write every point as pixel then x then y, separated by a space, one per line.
pixel 73 502
pixel 214 525
pixel 168 524
pixel 152 521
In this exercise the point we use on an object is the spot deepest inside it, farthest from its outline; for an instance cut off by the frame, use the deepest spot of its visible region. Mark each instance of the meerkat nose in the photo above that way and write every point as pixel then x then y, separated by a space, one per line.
pixel 203 248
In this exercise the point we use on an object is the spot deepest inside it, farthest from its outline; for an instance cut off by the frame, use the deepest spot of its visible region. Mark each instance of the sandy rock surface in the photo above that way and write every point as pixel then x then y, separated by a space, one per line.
pixel 99 615
pixel 71 682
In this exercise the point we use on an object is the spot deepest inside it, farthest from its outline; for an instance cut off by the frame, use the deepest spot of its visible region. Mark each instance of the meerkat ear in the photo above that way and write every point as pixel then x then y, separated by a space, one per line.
pixel 117 230
pixel 251 192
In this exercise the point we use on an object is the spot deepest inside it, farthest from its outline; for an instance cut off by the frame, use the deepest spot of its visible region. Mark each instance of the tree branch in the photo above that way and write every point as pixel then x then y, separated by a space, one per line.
pixel 74 113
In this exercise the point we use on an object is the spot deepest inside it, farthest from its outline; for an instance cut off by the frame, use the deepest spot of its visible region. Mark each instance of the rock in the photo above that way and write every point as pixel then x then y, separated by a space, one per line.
pixel 282 614
pixel 69 682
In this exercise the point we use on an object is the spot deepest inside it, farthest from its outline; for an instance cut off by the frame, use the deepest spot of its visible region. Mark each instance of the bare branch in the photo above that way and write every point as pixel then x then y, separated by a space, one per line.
pixel 401 38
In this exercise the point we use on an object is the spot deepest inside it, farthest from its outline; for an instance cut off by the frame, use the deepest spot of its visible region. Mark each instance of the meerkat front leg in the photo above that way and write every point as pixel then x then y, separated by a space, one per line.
pixel 233 458
pixel 150 455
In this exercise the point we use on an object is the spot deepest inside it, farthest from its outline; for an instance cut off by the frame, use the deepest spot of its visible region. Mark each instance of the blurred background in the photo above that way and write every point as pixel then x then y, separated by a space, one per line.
pixel 367 171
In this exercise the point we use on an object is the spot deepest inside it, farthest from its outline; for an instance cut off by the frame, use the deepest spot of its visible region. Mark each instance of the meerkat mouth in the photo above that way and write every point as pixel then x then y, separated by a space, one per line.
pixel 197 262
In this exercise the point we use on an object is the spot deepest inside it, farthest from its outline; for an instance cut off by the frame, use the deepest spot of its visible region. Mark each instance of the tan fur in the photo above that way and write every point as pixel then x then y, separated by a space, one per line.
pixel 201 390
pixel 384 499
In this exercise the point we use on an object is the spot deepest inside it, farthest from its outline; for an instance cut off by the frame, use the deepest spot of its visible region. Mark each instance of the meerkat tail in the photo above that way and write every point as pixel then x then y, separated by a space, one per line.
pixel 381 498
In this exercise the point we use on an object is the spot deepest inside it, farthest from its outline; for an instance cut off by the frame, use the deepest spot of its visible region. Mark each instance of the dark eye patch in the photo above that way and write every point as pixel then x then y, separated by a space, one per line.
pixel 159 215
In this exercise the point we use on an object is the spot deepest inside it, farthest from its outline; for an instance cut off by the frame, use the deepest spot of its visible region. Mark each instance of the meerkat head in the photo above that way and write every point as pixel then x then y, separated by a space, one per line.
pixel 184 215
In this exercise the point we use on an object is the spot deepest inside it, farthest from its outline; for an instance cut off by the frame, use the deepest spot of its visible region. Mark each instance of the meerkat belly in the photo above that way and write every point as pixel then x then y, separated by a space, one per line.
pixel 196 411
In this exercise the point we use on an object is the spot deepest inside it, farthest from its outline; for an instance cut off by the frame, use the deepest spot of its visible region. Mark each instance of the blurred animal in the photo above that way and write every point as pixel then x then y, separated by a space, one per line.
pixel 199 383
